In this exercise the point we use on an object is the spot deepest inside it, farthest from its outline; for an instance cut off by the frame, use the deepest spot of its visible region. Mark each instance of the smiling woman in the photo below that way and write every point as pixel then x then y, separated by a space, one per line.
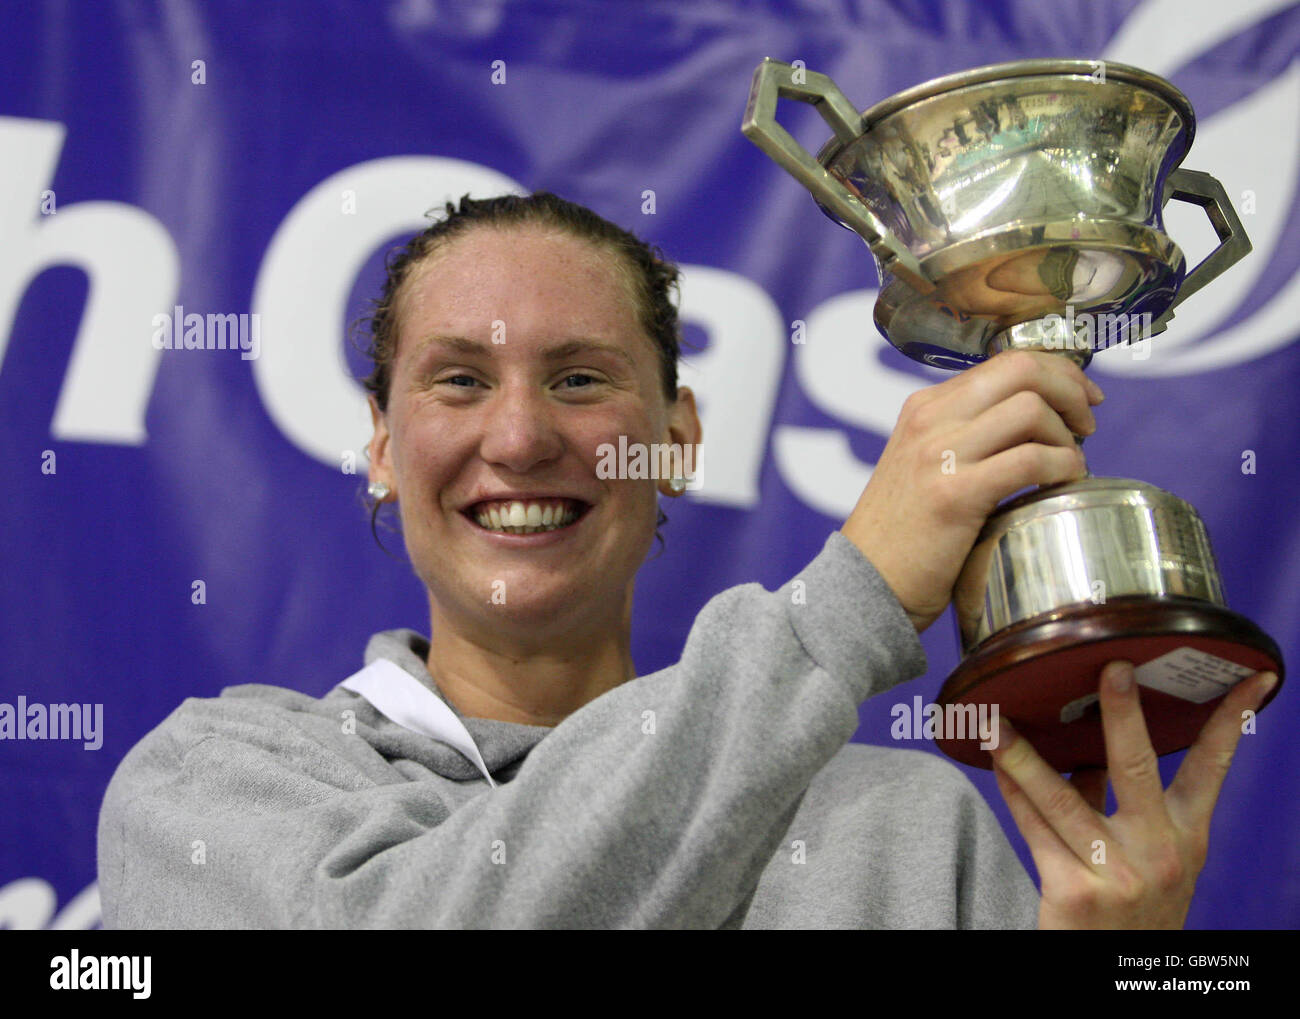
pixel 511 769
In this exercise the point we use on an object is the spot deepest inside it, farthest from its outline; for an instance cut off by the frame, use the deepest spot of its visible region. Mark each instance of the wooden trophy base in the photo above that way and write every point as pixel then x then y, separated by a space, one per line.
pixel 1043 675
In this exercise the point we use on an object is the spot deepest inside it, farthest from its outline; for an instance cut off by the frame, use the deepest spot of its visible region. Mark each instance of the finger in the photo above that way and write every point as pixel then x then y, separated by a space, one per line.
pixel 1130 758
pixel 1091 783
pixel 1057 379
pixel 1058 803
pixel 1195 789
pixel 1044 844
pixel 1021 417
pixel 1030 463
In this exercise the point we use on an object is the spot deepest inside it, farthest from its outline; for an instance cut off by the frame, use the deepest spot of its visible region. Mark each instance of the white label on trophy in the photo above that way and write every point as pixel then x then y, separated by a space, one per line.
pixel 1192 675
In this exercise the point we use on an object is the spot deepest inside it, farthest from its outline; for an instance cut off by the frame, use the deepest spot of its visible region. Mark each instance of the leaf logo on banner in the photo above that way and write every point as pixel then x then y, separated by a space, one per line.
pixel 1253 147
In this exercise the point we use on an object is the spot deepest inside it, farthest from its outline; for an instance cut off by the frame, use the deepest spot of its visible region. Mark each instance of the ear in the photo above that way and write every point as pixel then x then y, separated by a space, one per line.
pixel 684 430
pixel 381 468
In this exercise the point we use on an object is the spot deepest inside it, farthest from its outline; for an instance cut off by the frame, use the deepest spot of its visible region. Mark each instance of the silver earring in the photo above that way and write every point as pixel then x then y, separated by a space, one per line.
pixel 678 485
pixel 379 490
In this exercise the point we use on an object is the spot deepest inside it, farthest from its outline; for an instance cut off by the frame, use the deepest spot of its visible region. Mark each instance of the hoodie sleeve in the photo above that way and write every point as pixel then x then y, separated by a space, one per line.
pixel 656 805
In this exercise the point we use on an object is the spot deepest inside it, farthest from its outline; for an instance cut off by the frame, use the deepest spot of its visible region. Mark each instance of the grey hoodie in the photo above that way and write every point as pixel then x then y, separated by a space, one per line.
pixel 718 792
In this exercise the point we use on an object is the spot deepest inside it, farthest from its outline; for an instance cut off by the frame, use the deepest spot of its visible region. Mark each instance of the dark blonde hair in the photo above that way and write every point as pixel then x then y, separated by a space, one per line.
pixel 653 278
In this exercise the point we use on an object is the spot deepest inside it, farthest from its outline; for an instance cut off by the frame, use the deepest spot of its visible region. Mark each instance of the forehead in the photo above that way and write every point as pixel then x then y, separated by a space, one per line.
pixel 539 283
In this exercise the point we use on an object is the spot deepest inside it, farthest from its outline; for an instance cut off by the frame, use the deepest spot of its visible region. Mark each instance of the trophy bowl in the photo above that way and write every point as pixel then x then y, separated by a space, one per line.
pixel 1004 196
pixel 1019 206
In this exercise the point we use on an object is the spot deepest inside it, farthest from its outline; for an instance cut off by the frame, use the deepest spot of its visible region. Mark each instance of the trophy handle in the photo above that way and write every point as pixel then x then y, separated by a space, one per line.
pixel 1203 190
pixel 773 80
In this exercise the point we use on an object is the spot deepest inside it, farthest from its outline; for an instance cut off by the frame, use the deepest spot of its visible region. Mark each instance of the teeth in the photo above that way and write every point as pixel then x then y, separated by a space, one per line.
pixel 527 518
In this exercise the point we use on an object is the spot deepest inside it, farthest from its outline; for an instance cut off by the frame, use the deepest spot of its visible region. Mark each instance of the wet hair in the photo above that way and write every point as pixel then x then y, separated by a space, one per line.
pixel 652 279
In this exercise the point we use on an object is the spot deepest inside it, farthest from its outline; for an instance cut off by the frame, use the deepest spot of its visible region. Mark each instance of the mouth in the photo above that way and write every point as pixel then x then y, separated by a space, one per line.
pixel 526 516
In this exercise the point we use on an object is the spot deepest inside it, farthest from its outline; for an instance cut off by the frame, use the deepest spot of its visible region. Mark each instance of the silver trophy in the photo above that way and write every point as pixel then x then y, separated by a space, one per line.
pixel 1020 206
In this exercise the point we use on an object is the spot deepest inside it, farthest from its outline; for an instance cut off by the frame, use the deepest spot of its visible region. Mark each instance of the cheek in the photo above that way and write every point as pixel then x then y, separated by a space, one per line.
pixel 632 420
pixel 422 456
pixel 600 440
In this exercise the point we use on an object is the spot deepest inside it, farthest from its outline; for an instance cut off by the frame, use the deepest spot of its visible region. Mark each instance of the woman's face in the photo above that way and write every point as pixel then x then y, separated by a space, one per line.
pixel 519 354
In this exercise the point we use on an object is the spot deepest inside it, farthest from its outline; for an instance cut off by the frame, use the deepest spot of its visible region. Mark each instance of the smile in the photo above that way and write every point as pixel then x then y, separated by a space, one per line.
pixel 528 516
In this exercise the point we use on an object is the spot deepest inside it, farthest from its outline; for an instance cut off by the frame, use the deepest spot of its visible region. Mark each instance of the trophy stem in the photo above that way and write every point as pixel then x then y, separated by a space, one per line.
pixel 1054 333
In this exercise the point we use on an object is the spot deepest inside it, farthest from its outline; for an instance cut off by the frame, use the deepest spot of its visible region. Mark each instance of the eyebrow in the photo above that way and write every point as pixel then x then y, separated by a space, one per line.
pixel 559 352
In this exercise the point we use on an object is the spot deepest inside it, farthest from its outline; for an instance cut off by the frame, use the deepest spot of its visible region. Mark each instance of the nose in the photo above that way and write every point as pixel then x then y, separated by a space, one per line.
pixel 519 428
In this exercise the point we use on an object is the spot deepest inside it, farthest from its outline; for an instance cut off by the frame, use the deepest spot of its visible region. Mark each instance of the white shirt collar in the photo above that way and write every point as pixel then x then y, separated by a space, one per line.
pixel 403 699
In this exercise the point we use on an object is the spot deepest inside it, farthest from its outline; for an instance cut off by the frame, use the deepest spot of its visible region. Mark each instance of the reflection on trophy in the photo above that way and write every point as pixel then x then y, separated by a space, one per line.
pixel 1020 206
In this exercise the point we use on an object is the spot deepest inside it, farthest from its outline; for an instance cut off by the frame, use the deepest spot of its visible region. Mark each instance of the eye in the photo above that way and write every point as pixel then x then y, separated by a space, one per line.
pixel 453 378
pixel 580 375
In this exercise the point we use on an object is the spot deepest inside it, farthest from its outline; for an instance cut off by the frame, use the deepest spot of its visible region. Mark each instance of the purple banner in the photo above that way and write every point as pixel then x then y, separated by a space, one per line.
pixel 180 520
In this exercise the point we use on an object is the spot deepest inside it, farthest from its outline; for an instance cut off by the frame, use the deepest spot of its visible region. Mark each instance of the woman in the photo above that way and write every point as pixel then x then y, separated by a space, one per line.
pixel 513 771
